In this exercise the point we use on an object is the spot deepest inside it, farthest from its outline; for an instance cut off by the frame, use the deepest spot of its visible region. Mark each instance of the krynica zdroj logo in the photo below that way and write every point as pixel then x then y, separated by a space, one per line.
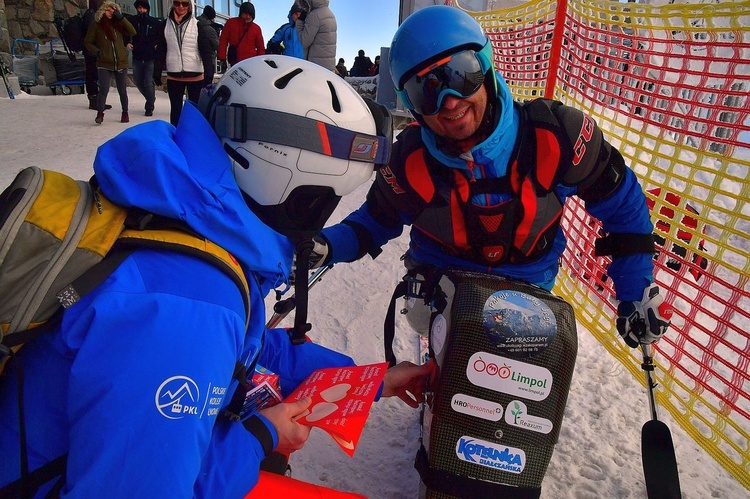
pixel 509 376
pixel 483 453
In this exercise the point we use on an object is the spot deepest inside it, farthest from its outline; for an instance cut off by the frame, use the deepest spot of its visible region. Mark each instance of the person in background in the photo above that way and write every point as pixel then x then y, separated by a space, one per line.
pixel 92 74
pixel 105 39
pixel 375 68
pixel 162 338
pixel 317 33
pixel 143 46
pixel 179 51
pixel 341 68
pixel 285 41
pixel 241 38
pixel 362 64
pixel 208 43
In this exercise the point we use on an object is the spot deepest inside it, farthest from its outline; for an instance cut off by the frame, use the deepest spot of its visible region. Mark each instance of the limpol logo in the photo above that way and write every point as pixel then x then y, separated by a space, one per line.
pixel 177 397
pixel 504 375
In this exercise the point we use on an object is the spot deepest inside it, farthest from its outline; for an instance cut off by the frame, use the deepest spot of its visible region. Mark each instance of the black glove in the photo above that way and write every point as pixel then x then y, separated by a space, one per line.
pixel 645 321
pixel 116 15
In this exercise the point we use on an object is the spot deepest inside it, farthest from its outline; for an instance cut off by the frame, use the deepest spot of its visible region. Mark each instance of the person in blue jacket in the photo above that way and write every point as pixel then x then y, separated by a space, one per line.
pixel 284 40
pixel 167 329
pixel 482 180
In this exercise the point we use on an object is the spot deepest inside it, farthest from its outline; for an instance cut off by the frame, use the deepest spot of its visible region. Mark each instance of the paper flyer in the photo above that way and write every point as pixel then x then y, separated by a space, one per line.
pixel 341 400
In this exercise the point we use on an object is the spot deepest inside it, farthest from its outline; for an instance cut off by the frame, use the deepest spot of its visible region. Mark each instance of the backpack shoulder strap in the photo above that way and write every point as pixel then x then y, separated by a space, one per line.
pixel 184 242
pixel 546 151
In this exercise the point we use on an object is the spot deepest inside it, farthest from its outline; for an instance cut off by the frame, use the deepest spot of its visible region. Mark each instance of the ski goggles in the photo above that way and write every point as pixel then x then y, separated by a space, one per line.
pixel 239 123
pixel 460 75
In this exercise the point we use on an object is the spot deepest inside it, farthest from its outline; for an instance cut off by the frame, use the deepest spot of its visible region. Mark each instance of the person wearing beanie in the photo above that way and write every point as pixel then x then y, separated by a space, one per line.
pixel 284 40
pixel 143 46
pixel 241 38
pixel 210 14
pixel 105 39
pixel 208 43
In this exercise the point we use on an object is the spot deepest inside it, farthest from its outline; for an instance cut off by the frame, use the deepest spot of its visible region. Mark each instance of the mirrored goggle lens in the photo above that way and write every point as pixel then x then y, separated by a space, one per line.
pixel 460 75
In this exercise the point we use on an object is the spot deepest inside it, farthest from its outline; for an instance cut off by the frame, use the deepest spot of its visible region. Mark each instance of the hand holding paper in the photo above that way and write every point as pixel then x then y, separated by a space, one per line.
pixel 292 435
pixel 341 400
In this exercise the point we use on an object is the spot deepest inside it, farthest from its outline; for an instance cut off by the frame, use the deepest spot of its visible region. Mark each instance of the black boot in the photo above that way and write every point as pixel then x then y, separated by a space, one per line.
pixel 92 103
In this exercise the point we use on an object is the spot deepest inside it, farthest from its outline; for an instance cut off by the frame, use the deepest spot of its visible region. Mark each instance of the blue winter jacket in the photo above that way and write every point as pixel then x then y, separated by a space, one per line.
pixel 131 383
pixel 287 36
pixel 625 211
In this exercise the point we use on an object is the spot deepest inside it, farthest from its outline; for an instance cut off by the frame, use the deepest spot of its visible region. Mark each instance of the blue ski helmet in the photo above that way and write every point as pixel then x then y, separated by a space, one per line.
pixel 430 34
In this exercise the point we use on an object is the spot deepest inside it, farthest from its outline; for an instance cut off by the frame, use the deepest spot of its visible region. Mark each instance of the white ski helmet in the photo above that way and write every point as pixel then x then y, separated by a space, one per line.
pixel 299 137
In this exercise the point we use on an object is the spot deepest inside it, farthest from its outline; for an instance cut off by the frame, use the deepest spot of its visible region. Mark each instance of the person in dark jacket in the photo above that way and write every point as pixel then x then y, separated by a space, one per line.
pixel 208 43
pixel 92 76
pixel 143 45
pixel 341 68
pixel 105 39
pixel 362 65
pixel 375 69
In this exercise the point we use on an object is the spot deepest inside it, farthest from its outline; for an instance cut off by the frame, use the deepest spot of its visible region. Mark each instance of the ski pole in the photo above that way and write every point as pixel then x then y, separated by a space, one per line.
pixel 657 448
pixel 283 307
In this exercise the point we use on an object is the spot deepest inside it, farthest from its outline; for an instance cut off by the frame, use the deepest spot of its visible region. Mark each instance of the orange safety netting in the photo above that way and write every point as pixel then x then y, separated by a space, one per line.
pixel 669 86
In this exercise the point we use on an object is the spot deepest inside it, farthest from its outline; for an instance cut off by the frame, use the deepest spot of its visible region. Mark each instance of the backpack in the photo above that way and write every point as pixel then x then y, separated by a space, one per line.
pixel 60 238
pixel 74 32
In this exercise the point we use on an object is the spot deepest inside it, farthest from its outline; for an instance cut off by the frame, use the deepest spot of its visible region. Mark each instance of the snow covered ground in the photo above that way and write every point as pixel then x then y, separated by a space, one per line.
pixel 598 455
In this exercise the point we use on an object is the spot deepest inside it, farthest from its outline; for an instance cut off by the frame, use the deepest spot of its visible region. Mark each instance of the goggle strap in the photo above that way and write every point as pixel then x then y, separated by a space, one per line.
pixel 241 123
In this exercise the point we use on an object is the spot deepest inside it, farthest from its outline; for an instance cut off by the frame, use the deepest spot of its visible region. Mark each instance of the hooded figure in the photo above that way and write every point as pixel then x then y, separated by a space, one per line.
pixel 285 40
pixel 241 38
pixel 147 365
pixel 317 34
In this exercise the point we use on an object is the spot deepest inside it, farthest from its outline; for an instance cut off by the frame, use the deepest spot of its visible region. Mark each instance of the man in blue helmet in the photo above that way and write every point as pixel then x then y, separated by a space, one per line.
pixel 467 159
pixel 482 180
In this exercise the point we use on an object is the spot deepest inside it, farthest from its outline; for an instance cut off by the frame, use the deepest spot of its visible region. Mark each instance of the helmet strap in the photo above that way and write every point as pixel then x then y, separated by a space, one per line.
pixel 301 326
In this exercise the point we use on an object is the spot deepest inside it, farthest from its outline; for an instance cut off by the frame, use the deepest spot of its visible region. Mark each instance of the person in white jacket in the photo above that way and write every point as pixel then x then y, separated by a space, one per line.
pixel 179 52
pixel 317 33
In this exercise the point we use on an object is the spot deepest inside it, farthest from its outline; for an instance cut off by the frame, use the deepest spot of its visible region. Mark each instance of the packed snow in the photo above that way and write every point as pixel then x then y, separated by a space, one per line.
pixel 598 454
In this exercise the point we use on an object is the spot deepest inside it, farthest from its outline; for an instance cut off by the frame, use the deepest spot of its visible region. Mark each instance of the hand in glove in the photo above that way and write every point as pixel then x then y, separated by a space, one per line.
pixel 319 256
pixel 644 322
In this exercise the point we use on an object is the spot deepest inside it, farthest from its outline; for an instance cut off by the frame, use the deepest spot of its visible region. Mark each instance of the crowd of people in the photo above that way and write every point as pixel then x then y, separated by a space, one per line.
pixel 186 47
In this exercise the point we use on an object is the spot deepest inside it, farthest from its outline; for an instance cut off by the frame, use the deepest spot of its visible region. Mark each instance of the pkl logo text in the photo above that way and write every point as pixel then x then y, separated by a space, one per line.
pixel 177 397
